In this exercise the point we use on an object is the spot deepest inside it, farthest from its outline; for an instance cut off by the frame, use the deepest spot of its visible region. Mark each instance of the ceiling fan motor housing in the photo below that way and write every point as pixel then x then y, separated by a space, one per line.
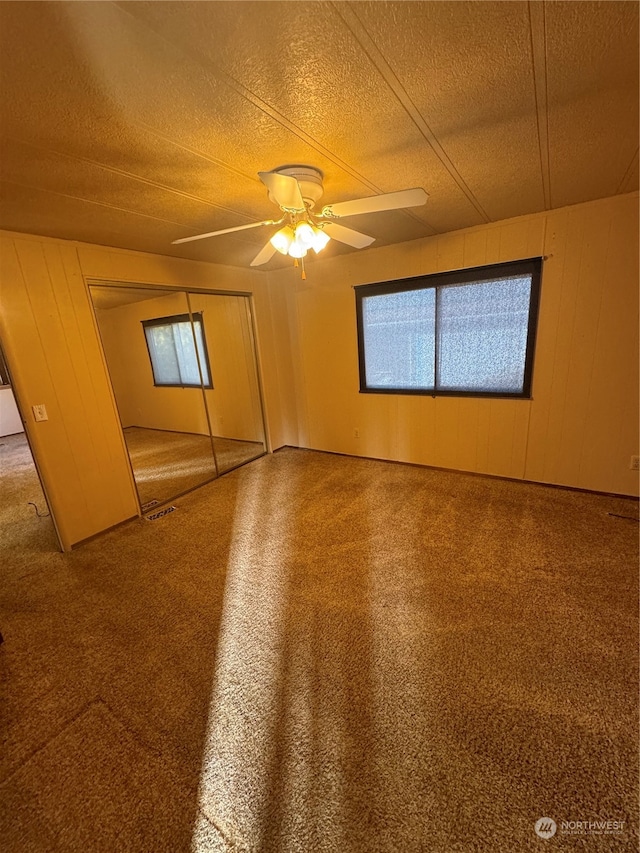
pixel 309 180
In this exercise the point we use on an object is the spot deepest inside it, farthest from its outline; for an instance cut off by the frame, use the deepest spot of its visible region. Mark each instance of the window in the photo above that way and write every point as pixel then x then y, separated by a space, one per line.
pixel 174 359
pixel 466 333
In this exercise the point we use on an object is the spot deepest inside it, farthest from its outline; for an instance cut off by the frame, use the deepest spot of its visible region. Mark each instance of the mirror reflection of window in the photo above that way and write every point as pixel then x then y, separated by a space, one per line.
pixel 173 356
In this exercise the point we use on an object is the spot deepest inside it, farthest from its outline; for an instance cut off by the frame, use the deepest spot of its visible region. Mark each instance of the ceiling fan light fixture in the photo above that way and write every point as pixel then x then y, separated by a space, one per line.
pixel 320 240
pixel 282 240
pixel 297 250
pixel 304 234
pixel 297 240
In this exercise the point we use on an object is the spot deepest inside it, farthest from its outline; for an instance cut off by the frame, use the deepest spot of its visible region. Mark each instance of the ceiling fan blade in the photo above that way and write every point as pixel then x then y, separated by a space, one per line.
pixel 347 235
pixel 265 254
pixel 377 203
pixel 284 189
pixel 223 231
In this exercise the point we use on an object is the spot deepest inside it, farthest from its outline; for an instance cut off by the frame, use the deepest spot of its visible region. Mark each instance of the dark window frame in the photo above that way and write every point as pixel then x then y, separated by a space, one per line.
pixel 479 275
pixel 171 320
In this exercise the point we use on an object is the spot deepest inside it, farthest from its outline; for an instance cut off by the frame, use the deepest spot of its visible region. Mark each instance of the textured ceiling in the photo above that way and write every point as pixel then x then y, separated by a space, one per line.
pixel 133 124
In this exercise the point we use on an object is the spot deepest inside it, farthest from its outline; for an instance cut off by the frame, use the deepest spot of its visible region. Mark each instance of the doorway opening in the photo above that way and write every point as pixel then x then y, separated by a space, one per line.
pixel 26 524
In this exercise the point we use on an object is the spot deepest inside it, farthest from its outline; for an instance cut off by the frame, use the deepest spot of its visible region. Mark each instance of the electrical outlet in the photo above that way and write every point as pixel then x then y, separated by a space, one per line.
pixel 40 413
pixel 635 463
pixel 356 433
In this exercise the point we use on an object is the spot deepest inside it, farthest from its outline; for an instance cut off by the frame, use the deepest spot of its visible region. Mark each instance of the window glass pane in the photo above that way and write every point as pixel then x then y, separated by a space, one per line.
pixel 482 335
pixel 399 334
pixel 164 360
pixel 186 353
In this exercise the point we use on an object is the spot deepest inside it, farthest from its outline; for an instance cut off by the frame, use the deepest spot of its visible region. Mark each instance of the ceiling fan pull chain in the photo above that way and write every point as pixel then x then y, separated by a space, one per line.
pixel 304 274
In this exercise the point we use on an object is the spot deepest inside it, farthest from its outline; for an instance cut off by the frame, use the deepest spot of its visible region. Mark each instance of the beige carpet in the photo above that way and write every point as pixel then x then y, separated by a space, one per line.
pixel 321 653
pixel 166 464
pixel 25 524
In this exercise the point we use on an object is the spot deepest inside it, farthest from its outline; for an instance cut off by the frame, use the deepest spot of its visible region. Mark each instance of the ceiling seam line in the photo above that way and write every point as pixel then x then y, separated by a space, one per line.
pixel 627 174
pixel 216 162
pixel 263 106
pixel 257 102
pixel 546 100
pixel 538 45
pixel 255 180
pixel 123 173
pixel 98 203
pixel 401 94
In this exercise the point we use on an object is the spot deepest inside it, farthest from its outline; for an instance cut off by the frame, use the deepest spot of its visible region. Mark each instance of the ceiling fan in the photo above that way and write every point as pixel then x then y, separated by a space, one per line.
pixel 296 189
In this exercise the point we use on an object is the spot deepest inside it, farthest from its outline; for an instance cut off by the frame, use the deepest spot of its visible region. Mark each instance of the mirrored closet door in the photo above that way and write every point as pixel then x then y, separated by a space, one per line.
pixel 183 371
pixel 233 398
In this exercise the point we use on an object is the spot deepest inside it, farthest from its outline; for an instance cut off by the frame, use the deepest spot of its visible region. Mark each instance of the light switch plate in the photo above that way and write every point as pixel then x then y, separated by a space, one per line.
pixel 40 412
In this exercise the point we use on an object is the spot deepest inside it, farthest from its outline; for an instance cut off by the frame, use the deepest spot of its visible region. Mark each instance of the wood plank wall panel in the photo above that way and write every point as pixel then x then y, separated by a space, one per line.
pixel 562 272
pixel 102 471
pixel 88 485
pixel 581 426
pixel 584 424
pixel 32 380
pixel 281 401
pixel 326 320
pixel 48 329
pixel 619 321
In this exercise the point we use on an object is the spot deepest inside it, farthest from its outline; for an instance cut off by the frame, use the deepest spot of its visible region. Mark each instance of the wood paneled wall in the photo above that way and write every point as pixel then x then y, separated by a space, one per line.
pixel 50 337
pixel 51 345
pixel 580 428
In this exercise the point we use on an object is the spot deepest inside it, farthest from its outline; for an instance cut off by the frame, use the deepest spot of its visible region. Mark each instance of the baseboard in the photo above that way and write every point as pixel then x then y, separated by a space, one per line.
pixel 467 473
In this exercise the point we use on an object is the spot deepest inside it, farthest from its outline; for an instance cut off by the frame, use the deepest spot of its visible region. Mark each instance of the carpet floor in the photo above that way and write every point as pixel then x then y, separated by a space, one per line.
pixel 323 653
pixel 166 464
pixel 25 524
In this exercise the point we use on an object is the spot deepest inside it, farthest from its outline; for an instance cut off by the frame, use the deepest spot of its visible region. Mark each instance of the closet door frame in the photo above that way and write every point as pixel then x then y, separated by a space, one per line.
pixel 254 355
